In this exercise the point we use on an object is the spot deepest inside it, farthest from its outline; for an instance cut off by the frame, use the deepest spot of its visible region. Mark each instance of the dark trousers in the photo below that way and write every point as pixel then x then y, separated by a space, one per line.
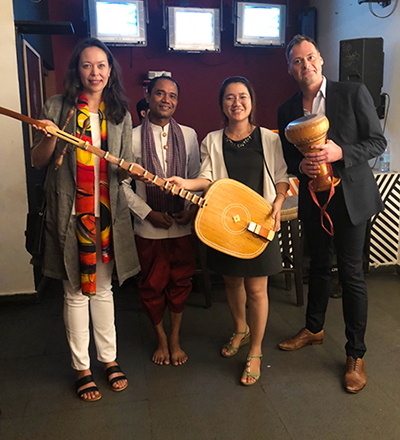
pixel 349 242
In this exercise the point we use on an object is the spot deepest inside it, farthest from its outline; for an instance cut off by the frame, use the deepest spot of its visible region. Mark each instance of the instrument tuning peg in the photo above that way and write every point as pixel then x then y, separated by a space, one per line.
pixel 59 161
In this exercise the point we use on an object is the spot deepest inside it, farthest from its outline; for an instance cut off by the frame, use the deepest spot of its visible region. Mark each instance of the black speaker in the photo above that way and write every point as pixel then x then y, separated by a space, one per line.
pixel 307 22
pixel 361 60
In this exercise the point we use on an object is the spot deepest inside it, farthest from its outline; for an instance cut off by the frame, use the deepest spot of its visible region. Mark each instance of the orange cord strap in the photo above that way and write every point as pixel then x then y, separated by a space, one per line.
pixel 324 214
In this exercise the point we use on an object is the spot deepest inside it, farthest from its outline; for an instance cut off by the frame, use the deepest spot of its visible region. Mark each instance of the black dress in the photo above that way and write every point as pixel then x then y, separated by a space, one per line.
pixel 245 163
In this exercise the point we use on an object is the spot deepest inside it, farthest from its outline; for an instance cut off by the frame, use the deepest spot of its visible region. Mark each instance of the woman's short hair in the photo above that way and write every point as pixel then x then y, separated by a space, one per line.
pixel 116 103
pixel 252 93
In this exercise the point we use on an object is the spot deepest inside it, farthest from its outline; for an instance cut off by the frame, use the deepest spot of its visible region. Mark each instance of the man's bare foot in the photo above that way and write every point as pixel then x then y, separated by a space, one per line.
pixel 93 393
pixel 116 385
pixel 178 356
pixel 161 355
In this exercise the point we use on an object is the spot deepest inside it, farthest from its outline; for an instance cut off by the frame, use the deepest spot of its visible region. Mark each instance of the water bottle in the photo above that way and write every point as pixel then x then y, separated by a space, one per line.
pixel 384 161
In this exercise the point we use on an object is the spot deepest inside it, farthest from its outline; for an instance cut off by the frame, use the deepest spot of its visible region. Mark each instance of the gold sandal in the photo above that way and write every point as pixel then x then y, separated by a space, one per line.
pixel 233 350
pixel 246 372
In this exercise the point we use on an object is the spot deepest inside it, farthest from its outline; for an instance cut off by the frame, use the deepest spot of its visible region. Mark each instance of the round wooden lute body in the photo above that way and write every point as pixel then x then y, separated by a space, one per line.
pixel 222 222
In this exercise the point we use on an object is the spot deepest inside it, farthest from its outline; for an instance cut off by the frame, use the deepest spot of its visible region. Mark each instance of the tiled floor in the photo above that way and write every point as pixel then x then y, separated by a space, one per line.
pixel 299 396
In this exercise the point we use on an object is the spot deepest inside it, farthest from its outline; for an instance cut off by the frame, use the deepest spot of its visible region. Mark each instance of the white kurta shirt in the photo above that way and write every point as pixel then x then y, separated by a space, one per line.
pixel 137 201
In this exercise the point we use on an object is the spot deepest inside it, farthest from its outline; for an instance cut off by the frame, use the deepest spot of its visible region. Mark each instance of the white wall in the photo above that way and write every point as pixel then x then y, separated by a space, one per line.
pixel 346 19
pixel 16 275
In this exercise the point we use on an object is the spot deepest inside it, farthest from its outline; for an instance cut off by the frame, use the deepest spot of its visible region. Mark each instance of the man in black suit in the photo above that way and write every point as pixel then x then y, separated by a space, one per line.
pixel 354 137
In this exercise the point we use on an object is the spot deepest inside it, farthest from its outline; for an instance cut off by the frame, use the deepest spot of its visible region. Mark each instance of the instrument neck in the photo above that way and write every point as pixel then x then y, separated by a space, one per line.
pixel 130 167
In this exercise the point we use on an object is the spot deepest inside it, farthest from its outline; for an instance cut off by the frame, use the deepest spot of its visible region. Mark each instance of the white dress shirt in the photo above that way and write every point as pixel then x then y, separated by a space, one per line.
pixel 319 103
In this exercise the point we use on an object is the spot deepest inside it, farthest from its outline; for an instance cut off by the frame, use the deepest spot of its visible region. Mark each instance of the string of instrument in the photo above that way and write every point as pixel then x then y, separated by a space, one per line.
pixel 232 218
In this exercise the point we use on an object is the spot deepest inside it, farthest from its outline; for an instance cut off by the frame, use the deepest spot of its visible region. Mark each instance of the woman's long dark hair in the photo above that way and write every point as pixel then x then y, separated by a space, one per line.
pixel 116 104
pixel 252 93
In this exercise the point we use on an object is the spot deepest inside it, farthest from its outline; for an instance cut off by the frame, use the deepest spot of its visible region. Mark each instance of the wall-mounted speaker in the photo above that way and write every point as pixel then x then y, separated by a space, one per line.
pixel 307 22
pixel 361 60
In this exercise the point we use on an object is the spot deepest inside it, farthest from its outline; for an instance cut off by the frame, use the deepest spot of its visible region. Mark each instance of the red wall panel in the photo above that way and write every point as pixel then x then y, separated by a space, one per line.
pixel 199 75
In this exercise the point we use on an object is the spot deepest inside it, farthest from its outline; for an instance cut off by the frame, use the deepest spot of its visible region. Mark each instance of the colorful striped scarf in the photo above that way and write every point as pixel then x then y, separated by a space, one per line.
pixel 176 165
pixel 85 209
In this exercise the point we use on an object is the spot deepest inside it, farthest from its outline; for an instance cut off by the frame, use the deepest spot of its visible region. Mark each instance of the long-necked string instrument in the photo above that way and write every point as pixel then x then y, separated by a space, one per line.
pixel 232 218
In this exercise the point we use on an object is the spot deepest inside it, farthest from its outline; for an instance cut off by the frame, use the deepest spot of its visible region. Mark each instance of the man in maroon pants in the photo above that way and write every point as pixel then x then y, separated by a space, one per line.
pixel 162 221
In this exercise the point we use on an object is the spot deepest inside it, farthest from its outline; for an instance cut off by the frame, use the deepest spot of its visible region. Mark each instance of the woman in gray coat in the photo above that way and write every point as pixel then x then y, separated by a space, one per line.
pixel 88 226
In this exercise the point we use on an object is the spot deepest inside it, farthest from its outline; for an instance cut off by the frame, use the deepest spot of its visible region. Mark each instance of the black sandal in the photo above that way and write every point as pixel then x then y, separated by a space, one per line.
pixel 115 369
pixel 84 381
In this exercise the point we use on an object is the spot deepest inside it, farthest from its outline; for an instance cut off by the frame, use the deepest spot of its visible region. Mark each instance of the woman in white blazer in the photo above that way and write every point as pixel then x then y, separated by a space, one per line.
pixel 253 156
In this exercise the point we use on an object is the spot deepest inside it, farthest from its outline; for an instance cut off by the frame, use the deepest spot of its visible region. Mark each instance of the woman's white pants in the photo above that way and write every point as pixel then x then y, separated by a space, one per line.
pixel 78 309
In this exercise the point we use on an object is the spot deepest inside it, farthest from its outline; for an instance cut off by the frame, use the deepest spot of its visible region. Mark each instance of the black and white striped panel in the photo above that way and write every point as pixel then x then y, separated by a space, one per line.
pixel 384 247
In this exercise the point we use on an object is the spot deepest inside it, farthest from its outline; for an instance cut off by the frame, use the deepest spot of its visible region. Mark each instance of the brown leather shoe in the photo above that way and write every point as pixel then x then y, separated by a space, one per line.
pixel 355 377
pixel 303 338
